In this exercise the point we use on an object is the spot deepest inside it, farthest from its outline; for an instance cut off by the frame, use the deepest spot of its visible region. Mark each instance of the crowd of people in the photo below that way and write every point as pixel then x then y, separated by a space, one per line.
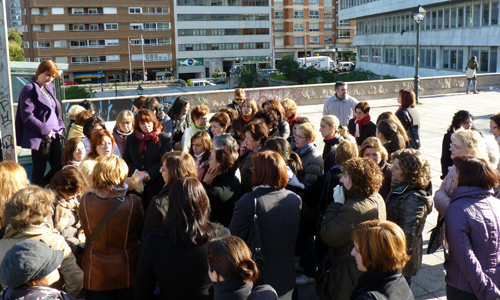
pixel 241 204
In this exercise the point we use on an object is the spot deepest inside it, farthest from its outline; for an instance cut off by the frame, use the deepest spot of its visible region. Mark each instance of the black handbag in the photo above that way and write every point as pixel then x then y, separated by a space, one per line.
pixel 255 242
pixel 412 131
pixel 434 244
pixel 99 228
pixel 325 266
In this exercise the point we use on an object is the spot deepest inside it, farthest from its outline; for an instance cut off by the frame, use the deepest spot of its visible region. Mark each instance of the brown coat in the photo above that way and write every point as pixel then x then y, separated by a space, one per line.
pixel 338 224
pixel 110 262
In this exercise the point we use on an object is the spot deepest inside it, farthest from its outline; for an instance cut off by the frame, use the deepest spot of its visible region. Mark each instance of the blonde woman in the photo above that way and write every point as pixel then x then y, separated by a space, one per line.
pixel 248 110
pixel 373 149
pixel 290 110
pixel 110 262
pixel 13 177
pixel 123 128
pixel 310 155
pixel 333 135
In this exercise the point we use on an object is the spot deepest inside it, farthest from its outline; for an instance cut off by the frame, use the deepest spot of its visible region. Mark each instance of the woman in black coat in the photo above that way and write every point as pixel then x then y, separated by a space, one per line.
pixel 143 151
pixel 255 138
pixel 222 186
pixel 173 264
pixel 379 250
pixel 361 126
pixel 407 113
pixel 278 212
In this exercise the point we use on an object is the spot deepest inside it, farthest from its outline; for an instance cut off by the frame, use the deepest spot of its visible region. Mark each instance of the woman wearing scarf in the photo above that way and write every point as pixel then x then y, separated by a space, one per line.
pixel 143 151
pixel 361 126
pixel 199 122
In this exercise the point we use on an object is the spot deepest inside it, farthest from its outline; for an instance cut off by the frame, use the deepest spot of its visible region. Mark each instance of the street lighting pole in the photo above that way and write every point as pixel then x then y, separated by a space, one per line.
pixel 100 78
pixel 305 52
pixel 418 16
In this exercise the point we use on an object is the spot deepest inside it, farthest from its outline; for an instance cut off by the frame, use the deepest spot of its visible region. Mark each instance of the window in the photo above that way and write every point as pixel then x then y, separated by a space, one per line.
pixel 57 11
pixel 135 10
pixel 375 55
pixel 439 19
pixel 453 18
pixel 314 40
pixel 460 19
pixel 93 27
pixel 298 14
pixel 407 57
pixel 192 47
pixel 164 41
pixel 390 56
pixel 59 27
pixel 192 32
pixel 111 42
pixel 328 26
pixel 76 11
pixel 92 11
pixel 77 27
pixel 158 56
pixel 328 40
pixel 135 42
pixel 486 14
pixel 278 2
pixel 41 44
pixel 446 59
pixel 40 59
pixel 313 2
pixel 109 10
pixel 298 2
pixel 328 3
pixel 427 58
pixel 433 16
pixel 136 26
pixel 494 13
pixel 477 14
pixel 110 26
pixel 193 17
pixel 279 28
pixel 344 22
pixel 363 54
pixel 61 60
pixel 328 14
pixel 313 26
pixel 297 41
pixel 446 23
pixel 313 14
pixel 26 44
pixel 298 27
pixel 112 58
pixel 344 34
pixel 60 44
pixel 278 14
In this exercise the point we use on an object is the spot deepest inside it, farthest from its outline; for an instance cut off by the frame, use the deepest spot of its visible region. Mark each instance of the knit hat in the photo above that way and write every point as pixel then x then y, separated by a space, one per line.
pixel 28 260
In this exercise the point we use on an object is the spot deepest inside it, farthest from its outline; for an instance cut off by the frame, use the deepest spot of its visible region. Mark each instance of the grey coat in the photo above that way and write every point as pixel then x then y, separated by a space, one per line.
pixel 312 162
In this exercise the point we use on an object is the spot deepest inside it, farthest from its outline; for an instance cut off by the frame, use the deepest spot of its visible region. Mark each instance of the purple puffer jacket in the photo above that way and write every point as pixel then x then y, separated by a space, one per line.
pixel 472 231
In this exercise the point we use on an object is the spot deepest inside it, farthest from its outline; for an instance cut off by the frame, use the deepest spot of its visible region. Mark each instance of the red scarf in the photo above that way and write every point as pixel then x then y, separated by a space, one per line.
pixel 144 138
pixel 360 123
pixel 245 119
pixel 291 120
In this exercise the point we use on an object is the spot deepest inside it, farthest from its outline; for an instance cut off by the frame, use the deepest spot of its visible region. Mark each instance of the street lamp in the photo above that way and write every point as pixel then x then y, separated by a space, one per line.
pixel 418 16
pixel 140 90
pixel 100 78
pixel 115 77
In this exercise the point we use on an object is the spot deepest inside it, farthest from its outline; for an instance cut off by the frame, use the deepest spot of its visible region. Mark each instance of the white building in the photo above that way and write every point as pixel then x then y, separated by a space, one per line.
pixel 451 33
pixel 218 35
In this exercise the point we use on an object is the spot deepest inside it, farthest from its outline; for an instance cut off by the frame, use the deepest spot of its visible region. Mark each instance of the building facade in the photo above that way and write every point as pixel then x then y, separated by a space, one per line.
pixel 128 38
pixel 14 19
pixel 213 36
pixel 450 34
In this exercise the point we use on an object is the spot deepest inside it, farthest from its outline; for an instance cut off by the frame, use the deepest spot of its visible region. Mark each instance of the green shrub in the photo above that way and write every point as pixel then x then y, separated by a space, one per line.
pixel 189 82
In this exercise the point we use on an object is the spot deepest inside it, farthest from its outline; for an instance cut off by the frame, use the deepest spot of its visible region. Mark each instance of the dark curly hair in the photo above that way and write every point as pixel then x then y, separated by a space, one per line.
pixel 366 176
pixel 415 167
pixel 458 119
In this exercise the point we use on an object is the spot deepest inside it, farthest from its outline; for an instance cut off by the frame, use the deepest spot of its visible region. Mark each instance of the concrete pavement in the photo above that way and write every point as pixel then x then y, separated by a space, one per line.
pixel 436 113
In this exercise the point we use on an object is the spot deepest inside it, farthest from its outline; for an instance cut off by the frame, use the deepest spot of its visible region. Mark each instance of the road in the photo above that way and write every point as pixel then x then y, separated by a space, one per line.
pixel 163 90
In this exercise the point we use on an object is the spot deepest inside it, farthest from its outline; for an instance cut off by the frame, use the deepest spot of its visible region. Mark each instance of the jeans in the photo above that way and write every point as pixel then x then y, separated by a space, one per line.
pixel 468 85
pixel 50 151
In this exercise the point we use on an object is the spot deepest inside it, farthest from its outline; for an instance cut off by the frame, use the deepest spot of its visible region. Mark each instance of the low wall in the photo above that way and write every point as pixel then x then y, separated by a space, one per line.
pixel 108 108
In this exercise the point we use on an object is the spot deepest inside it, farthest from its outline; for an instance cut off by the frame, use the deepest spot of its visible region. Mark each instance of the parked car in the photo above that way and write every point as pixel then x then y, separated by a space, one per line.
pixel 345 66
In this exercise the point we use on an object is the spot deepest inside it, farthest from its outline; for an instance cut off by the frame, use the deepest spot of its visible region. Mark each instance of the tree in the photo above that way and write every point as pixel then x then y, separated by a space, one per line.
pixel 247 77
pixel 15 46
pixel 288 66
pixel 76 92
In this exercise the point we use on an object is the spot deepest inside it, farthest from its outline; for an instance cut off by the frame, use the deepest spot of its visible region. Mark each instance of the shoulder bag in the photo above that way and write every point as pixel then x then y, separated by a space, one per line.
pixel 412 131
pixel 100 227
pixel 433 244
pixel 470 73
pixel 255 242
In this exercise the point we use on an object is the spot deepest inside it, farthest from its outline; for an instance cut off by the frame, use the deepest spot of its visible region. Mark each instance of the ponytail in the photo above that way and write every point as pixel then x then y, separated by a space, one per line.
pixel 249 272
pixel 389 130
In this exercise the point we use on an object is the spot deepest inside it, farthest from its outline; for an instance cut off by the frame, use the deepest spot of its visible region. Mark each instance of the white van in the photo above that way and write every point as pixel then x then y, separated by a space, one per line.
pixel 345 66
pixel 201 82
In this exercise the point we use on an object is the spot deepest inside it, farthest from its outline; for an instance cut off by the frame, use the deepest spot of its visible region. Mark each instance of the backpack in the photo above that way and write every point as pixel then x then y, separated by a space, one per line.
pixel 412 131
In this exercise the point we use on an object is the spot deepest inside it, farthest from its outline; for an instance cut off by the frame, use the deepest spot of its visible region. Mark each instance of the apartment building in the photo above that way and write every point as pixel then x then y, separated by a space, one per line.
pixel 450 34
pixel 220 35
pixel 101 38
pixel 14 15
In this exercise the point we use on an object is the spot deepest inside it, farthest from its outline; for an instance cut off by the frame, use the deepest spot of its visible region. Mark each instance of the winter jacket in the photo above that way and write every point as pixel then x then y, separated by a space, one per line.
pixel 279 215
pixel 386 184
pixel 65 220
pixel 312 161
pixel 446 160
pixel 110 262
pixel 34 293
pixel 71 274
pixel 246 171
pixel 156 214
pixel 408 207
pixel 223 193
pixel 174 272
pixel 166 124
pixel 120 139
pixel 335 231
pixel 75 131
pixel 472 65
pixel 237 128
pixel 472 231
pixel 237 289
pixel 329 152
pixel 413 112
pixel 284 129
pixel 386 286
pixel 367 130
pixel 235 106
pixel 442 199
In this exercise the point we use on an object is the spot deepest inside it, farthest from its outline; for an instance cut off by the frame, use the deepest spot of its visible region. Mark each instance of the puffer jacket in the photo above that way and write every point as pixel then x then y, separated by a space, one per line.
pixel 408 207
pixel 33 293
pixel 312 161
pixel 339 222
pixel 472 230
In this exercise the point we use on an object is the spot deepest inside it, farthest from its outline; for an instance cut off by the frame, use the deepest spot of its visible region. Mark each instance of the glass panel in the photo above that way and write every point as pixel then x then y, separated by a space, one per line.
pixel 434 19
pixel 460 60
pixel 433 59
pixel 494 13
pixel 428 22
pixel 446 59
pixel 477 15
pixel 453 59
pixel 453 19
pixel 460 19
pixel 483 62
pixel 446 20
pixel 468 16
pixel 493 60
pixel 440 19
pixel 485 15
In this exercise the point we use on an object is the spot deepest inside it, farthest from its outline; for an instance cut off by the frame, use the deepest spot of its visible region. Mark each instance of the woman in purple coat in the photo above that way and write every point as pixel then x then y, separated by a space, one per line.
pixel 39 126
pixel 472 230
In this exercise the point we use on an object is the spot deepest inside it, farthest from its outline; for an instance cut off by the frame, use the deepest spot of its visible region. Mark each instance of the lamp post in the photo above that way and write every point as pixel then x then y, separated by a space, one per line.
pixel 115 76
pixel 418 16
pixel 100 78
